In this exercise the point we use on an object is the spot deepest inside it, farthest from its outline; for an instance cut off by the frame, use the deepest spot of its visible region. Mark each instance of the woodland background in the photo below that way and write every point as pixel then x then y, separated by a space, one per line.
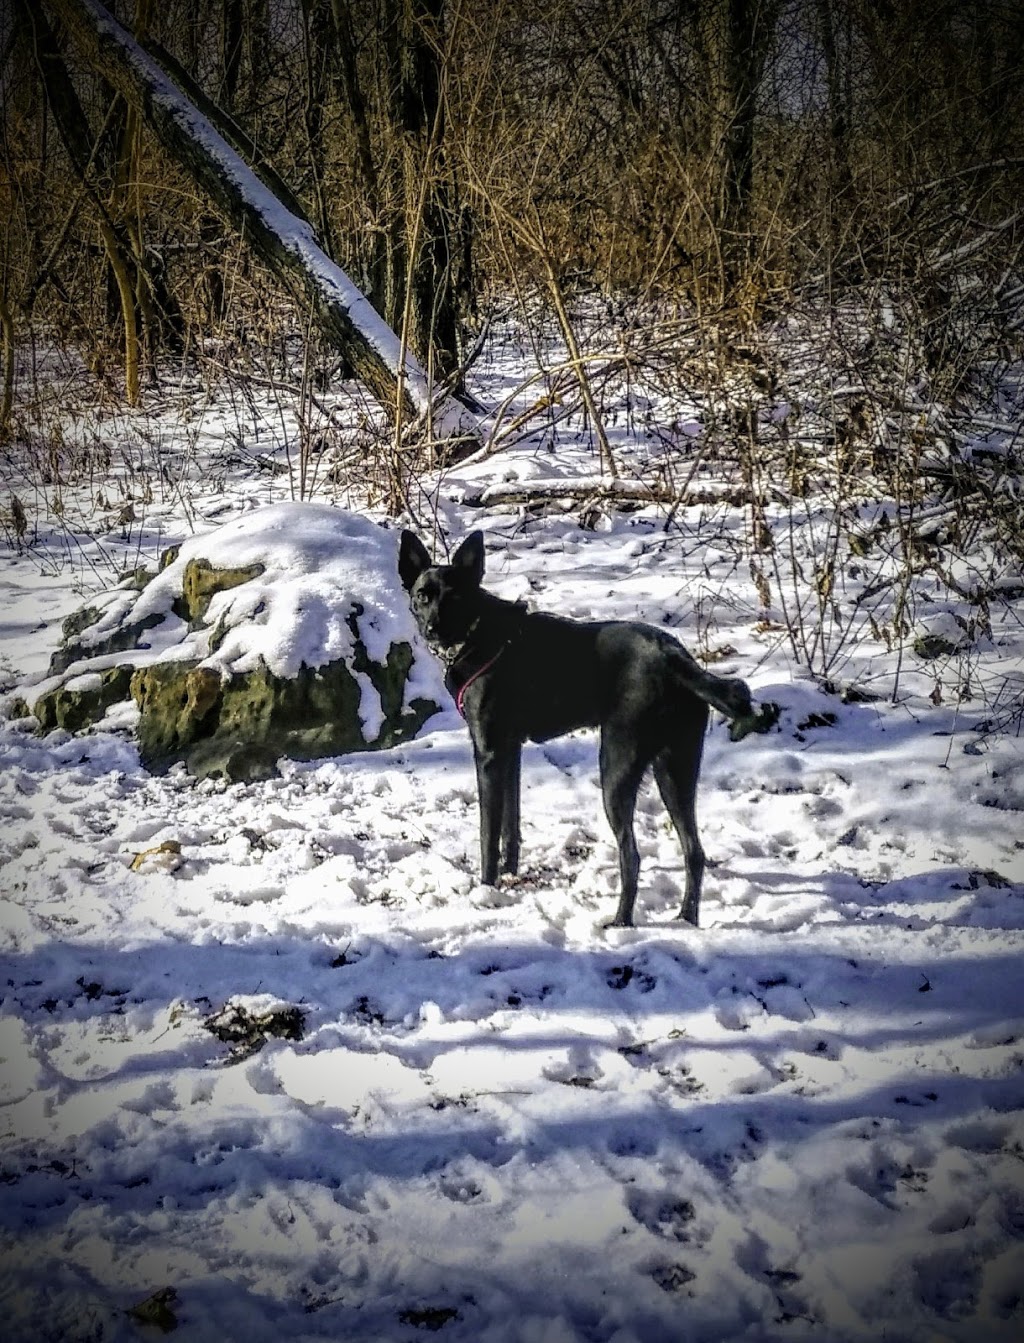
pixel 729 299
pixel 801 217
pixel 727 158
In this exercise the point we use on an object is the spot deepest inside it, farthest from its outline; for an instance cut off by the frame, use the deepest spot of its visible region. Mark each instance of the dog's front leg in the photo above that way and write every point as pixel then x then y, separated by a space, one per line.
pixel 491 779
pixel 510 831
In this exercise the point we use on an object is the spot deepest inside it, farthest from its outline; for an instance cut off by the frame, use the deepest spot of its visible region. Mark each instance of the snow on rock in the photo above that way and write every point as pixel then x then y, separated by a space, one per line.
pixel 318 563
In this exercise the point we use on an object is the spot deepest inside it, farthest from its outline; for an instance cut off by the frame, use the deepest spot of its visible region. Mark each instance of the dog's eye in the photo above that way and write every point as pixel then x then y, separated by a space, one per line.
pixel 426 597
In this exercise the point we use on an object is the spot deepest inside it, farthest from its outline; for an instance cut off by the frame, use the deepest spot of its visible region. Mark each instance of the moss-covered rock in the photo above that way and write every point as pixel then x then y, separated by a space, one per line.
pixel 203 581
pixel 929 646
pixel 173 699
pixel 73 625
pixel 83 700
pixel 238 727
pixel 230 697
pixel 120 640
pixel 137 578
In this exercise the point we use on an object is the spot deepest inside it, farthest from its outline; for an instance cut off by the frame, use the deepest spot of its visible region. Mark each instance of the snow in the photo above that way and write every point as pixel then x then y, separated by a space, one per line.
pixel 502 1120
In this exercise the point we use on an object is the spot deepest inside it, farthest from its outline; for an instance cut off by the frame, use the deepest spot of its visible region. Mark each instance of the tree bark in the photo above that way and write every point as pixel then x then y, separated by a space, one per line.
pixel 226 126
pixel 367 173
pixel 839 118
pixel 431 260
pixel 735 36
pixel 7 397
pixel 78 141
pixel 284 242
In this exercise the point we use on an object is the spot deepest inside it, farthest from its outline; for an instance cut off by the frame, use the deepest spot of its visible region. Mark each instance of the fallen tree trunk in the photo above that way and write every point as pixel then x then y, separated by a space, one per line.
pixel 616 493
pixel 283 240
pixel 236 136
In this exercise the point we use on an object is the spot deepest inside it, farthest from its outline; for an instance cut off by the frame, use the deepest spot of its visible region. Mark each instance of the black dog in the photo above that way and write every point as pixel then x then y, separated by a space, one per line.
pixel 519 675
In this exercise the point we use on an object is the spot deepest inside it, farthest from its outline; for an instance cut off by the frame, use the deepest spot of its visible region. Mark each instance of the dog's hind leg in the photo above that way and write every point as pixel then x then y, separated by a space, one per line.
pixel 622 768
pixel 675 770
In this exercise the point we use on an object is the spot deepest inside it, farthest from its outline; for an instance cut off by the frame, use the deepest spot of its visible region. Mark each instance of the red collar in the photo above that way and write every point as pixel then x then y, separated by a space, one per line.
pixel 479 672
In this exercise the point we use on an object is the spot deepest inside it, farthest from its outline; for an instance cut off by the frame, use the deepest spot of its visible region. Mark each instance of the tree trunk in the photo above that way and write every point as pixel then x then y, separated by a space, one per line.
pixel 734 36
pixel 431 251
pixel 367 176
pixel 283 241
pixel 7 397
pixel 74 130
pixel 838 111
pixel 317 34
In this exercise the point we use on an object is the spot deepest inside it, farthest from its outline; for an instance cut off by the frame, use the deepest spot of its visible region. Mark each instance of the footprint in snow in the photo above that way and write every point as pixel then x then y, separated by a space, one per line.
pixel 461 1189
pixel 662 1213
pixel 736 1011
pixel 673 1277
pixel 619 976
pixel 979 1135
pixel 1011 1214
pixel 948 1283
pixel 258 895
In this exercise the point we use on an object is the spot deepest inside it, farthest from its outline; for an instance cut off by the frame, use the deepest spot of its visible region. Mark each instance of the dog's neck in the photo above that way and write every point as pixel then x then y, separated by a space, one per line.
pixel 495 625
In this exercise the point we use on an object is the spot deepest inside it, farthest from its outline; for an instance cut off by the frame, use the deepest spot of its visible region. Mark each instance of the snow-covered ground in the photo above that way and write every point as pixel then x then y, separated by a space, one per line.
pixel 502 1121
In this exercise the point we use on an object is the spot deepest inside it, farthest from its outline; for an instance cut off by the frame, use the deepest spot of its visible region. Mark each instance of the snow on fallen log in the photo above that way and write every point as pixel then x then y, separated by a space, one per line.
pixel 615 491
pixel 286 243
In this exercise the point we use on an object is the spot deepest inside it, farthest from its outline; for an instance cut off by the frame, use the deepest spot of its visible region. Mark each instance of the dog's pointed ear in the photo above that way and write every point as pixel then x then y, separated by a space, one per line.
pixel 413 558
pixel 470 556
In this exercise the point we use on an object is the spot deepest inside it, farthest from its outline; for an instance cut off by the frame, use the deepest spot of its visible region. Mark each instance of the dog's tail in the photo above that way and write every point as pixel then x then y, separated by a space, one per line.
pixel 730 696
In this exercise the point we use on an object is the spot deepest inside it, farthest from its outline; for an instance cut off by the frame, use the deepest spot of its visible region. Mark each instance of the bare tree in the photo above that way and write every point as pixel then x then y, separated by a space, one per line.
pixel 287 244
pixel 735 38
pixel 80 143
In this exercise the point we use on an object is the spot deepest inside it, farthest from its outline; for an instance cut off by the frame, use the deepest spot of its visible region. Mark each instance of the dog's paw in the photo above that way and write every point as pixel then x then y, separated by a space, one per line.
pixel 492 897
pixel 762 719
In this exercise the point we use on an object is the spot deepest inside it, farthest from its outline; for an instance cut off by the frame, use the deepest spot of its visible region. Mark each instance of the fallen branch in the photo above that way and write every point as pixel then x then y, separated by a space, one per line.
pixel 617 492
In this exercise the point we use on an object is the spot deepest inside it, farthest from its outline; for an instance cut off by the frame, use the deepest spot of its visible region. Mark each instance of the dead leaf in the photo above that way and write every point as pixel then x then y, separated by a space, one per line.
pixel 171 847
pixel 156 1310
